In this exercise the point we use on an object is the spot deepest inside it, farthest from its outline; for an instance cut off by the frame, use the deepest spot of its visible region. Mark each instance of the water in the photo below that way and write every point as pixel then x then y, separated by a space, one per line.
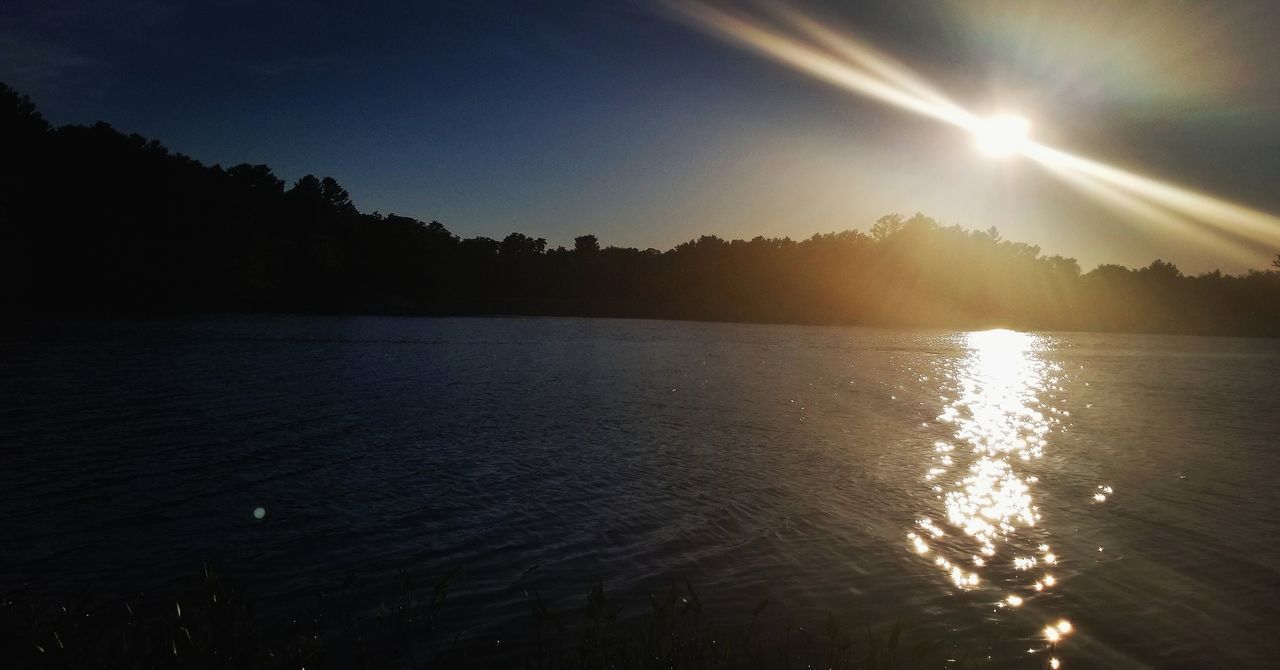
pixel 935 475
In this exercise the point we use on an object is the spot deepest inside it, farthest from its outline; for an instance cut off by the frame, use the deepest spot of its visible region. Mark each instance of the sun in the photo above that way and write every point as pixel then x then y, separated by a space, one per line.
pixel 1002 136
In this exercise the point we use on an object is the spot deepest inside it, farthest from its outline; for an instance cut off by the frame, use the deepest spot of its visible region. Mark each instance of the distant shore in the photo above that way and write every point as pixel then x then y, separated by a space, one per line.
pixel 96 221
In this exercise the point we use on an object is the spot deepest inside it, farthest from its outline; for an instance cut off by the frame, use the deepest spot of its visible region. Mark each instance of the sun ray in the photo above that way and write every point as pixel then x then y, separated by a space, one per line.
pixel 815 62
pixel 879 64
pixel 1254 224
pixel 858 68
pixel 1145 212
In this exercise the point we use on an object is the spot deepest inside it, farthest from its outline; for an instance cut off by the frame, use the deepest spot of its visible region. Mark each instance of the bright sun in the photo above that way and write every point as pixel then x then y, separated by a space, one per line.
pixel 1002 136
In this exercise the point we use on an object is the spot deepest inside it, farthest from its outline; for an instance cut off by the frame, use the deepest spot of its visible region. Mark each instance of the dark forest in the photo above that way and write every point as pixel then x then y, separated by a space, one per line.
pixel 94 221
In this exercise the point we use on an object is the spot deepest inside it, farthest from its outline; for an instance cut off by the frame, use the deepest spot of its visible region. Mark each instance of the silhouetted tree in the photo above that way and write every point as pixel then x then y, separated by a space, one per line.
pixel 335 194
pixel 308 188
pixel 1161 270
pixel 256 179
pixel 586 244
pixel 886 226
pixel 519 245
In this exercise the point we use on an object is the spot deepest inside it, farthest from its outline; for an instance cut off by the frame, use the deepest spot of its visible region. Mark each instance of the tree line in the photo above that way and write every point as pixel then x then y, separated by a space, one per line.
pixel 94 220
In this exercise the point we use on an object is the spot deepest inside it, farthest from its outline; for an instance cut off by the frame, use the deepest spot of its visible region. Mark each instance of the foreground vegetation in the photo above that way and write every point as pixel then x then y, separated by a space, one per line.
pixel 95 220
pixel 210 623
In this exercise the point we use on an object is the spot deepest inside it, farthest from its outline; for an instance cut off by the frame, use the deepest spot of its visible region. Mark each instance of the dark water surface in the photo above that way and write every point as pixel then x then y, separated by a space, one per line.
pixel 1123 484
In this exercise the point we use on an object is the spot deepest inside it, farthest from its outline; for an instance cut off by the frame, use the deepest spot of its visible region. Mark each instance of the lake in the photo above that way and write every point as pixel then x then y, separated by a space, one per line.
pixel 1119 489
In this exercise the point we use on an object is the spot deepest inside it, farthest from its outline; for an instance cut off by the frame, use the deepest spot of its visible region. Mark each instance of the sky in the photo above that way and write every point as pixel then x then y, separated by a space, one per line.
pixel 619 119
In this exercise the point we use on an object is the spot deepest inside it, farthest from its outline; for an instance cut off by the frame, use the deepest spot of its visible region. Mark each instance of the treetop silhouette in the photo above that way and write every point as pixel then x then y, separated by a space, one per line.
pixel 94 220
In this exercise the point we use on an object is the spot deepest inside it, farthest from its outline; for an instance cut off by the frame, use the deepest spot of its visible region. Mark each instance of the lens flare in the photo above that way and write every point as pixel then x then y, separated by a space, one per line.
pixel 859 70
pixel 805 45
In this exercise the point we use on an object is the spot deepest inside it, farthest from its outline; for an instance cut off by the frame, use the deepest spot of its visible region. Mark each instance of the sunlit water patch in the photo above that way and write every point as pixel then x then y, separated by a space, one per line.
pixel 985 530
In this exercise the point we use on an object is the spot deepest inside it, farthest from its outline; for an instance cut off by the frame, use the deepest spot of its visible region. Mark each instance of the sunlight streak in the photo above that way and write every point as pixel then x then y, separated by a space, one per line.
pixel 856 67
pixel 879 64
pixel 813 61
pixel 1251 223
pixel 1220 240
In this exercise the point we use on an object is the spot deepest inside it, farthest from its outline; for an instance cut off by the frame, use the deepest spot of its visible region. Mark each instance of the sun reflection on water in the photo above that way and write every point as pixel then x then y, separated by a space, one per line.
pixel 986 525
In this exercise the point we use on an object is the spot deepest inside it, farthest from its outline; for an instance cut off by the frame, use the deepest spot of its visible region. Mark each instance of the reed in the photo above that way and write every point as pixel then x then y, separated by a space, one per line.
pixel 211 622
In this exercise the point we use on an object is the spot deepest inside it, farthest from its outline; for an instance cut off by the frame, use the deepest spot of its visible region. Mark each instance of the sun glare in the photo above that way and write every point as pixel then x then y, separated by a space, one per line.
pixel 1002 136
pixel 839 59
